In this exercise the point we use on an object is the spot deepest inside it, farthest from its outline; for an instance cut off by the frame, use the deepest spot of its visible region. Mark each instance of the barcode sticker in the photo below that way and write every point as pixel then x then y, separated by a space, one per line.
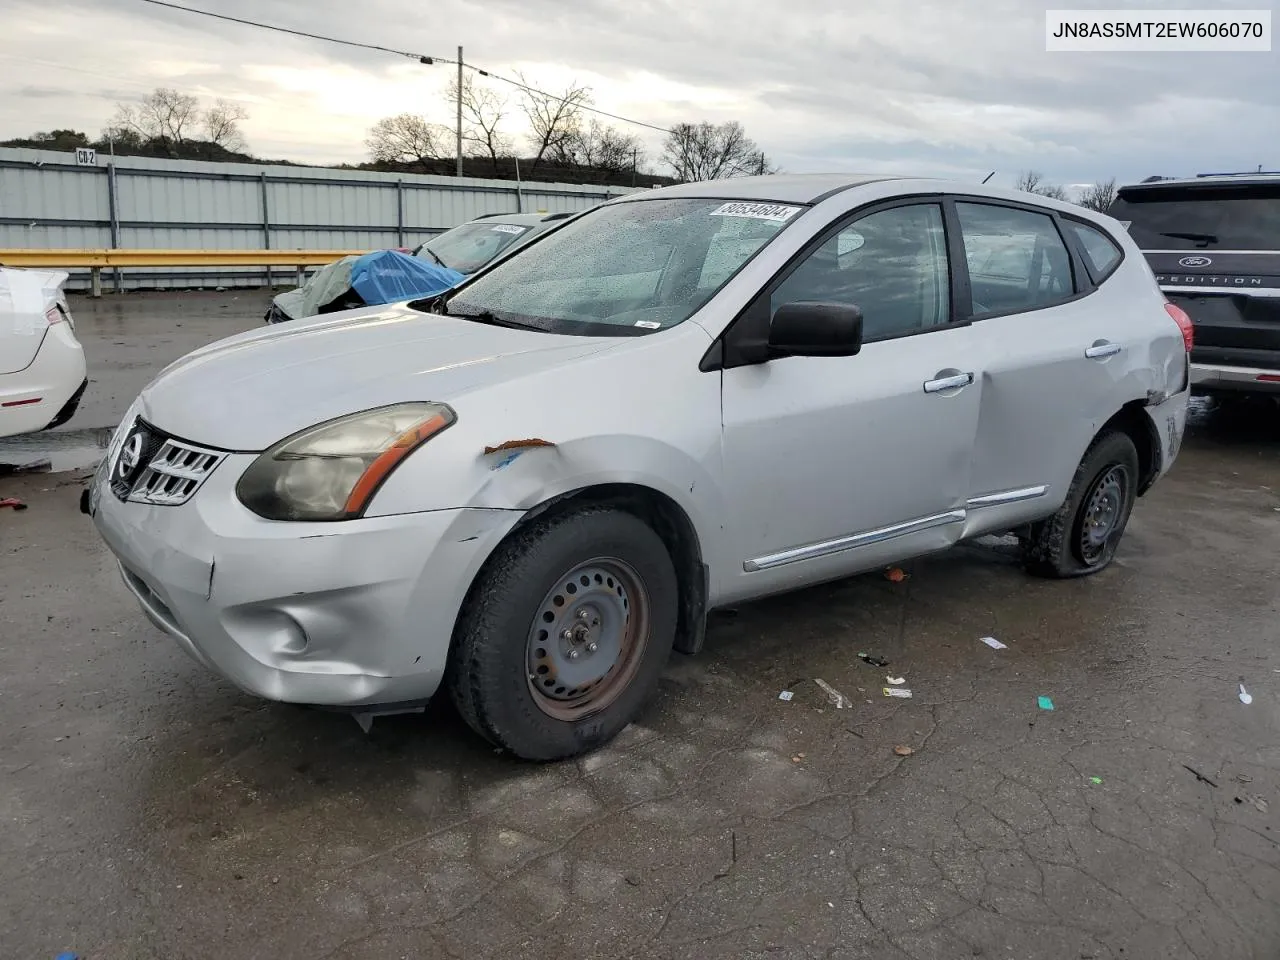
pixel 756 211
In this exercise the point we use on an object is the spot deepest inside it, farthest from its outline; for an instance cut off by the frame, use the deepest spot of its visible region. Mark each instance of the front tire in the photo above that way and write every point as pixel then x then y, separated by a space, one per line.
pixel 1082 537
pixel 562 639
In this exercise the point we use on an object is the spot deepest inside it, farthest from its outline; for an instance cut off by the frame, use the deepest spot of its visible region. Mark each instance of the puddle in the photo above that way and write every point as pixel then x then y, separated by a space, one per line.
pixel 65 450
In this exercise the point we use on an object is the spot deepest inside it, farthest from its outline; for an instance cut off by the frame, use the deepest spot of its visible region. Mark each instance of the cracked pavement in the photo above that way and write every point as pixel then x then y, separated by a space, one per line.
pixel 150 810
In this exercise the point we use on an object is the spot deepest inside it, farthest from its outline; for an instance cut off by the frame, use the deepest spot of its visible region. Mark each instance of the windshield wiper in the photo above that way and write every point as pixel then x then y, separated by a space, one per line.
pixel 1204 239
pixel 435 256
pixel 491 318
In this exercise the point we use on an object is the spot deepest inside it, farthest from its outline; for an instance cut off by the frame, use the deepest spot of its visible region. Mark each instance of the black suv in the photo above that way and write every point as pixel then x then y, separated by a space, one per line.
pixel 1213 242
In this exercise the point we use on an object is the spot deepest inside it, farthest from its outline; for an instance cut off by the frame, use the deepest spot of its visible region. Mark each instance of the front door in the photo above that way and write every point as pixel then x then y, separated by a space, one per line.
pixel 838 464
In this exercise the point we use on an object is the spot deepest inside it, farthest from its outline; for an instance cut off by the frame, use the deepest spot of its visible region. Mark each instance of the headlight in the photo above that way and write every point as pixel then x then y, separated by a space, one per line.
pixel 331 471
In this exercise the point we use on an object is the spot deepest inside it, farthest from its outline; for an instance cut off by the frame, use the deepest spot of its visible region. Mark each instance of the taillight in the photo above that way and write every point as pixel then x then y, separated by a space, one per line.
pixel 59 314
pixel 1184 323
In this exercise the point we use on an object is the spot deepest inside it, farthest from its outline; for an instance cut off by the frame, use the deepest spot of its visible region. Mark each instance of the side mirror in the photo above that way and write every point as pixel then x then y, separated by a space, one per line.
pixel 813 329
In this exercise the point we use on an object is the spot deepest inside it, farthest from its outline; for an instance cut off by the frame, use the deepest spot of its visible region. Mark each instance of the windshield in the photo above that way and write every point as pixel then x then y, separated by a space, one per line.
pixel 1202 218
pixel 469 247
pixel 626 268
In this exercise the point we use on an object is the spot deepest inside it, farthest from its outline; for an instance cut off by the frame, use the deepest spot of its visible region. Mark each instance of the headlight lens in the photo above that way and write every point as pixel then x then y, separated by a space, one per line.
pixel 332 470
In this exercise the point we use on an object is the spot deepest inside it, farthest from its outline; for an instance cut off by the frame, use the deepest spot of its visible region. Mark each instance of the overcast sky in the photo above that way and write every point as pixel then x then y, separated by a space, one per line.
pixel 955 88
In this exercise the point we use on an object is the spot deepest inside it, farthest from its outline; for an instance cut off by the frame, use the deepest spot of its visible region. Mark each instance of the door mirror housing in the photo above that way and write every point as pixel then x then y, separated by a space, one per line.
pixel 815 329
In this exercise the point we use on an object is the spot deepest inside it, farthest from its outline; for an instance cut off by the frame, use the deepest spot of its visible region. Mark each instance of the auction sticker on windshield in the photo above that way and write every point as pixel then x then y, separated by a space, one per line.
pixel 756 211
pixel 507 228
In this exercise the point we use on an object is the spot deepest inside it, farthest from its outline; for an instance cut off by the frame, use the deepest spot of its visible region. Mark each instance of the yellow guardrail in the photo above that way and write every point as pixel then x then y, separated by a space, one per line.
pixel 98 259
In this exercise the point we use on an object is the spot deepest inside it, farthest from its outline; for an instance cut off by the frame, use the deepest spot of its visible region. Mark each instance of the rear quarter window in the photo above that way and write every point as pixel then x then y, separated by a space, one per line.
pixel 1101 254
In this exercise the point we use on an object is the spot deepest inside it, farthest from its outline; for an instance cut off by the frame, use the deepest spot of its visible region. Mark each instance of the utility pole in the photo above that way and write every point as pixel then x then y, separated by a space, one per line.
pixel 459 111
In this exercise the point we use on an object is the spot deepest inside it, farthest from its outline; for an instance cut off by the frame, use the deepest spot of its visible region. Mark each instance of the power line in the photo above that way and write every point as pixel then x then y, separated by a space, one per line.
pixel 296 33
pixel 552 96
pixel 421 58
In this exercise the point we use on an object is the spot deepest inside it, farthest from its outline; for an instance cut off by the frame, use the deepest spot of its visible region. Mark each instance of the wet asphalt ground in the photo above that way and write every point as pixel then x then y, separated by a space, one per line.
pixel 149 810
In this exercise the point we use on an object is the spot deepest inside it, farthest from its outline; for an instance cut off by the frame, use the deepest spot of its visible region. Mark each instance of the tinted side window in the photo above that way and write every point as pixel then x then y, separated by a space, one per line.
pixel 1100 251
pixel 891 264
pixel 1017 259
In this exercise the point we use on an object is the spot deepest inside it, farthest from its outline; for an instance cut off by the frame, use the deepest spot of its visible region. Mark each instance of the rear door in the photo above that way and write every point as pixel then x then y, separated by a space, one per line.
pixel 1215 251
pixel 1054 360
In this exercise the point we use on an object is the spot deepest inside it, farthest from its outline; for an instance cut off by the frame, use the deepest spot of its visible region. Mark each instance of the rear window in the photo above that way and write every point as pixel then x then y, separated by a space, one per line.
pixel 1100 252
pixel 1202 218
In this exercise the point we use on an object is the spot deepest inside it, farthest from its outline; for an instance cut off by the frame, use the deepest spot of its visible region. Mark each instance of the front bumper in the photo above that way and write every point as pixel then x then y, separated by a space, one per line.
pixel 349 614
pixel 1207 378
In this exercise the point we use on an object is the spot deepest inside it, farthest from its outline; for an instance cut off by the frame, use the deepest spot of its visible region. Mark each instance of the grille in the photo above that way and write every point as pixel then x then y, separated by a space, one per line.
pixel 151 467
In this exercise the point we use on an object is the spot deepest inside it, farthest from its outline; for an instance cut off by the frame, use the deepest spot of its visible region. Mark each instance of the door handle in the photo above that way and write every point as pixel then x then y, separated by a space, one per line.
pixel 948 383
pixel 1102 349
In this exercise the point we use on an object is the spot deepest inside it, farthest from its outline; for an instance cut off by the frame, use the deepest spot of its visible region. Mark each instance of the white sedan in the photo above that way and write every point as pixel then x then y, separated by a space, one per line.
pixel 527 491
pixel 42 369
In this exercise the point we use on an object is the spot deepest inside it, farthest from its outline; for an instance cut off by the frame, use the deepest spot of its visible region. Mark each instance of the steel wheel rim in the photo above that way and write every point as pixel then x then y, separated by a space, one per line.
pixel 588 637
pixel 1103 510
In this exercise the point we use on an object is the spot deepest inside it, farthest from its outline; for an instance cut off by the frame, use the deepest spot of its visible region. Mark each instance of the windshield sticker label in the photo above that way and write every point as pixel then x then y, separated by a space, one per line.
pixel 507 228
pixel 756 211
pixel 649 324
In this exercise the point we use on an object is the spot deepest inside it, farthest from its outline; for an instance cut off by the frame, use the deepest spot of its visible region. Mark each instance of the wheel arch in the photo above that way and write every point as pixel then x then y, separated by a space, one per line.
pixel 1132 420
pixel 672 524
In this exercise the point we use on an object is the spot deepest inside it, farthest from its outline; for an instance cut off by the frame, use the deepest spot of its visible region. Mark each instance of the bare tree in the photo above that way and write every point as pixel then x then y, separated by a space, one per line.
pixel 222 124
pixel 1030 181
pixel 709 151
pixel 166 115
pixel 598 146
pixel 482 112
pixel 407 138
pixel 173 120
pixel 554 119
pixel 1100 196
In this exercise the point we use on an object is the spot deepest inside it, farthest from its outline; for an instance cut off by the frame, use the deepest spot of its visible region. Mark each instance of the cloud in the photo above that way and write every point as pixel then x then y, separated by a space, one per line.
pixel 39 93
pixel 957 88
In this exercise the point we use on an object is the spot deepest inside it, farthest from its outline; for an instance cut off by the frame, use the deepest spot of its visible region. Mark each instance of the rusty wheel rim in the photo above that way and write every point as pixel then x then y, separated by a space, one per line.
pixel 587 639
pixel 1103 512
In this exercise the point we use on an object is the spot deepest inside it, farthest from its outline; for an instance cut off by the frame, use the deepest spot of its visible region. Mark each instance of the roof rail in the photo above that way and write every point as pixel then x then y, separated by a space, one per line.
pixel 1243 173
pixel 556 216
pixel 490 216
pixel 1155 179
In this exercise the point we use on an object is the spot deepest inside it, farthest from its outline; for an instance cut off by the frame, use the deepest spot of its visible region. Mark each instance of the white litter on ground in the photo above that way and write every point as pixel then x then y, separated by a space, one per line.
pixel 834 695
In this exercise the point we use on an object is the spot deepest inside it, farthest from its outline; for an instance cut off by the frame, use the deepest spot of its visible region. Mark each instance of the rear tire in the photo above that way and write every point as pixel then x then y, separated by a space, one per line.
pixel 563 636
pixel 1082 537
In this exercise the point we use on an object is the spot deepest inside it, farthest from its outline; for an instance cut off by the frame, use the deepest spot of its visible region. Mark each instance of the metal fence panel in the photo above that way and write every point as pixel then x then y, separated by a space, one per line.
pixel 47 201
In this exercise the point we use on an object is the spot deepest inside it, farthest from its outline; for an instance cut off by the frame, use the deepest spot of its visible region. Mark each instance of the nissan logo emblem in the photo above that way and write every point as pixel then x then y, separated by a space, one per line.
pixel 130 456
pixel 1194 262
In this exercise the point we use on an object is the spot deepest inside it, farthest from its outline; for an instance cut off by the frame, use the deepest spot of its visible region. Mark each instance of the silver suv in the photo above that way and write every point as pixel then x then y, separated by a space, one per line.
pixel 529 490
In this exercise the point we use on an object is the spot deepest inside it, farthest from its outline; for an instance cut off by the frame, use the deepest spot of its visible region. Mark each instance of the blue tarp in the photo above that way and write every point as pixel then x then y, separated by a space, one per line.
pixel 387 276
